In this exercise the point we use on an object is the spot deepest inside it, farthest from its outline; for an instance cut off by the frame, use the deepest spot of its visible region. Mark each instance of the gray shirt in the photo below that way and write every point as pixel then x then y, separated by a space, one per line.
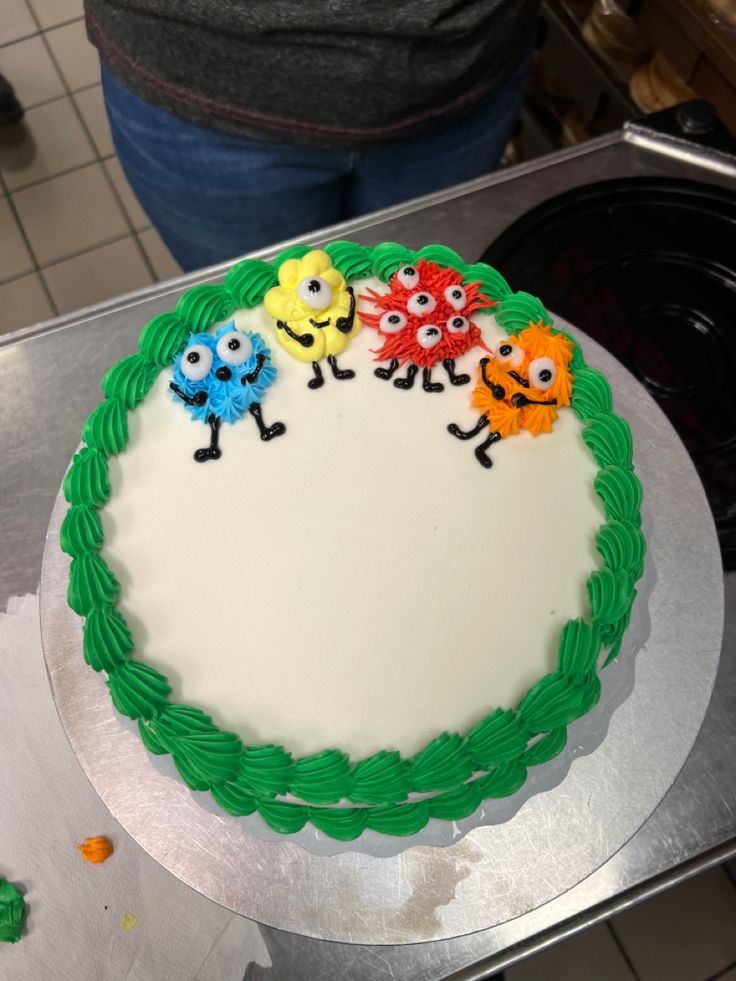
pixel 328 73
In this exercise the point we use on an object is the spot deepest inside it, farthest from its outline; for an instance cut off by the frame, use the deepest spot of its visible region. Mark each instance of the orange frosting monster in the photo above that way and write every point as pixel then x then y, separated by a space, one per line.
pixel 521 387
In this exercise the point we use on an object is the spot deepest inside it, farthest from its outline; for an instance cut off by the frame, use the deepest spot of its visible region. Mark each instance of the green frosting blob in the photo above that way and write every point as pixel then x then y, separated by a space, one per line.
pixel 442 255
pixel 163 337
pixel 503 781
pixel 352 261
pixel 546 748
pixel 459 771
pixel 382 777
pixel 388 257
pixel 516 311
pixel 91 584
pixel 398 819
pixel 608 438
pixel 285 818
pixel 266 770
pixel 443 763
pixel 493 285
pixel 81 530
pixel 456 804
pixel 622 546
pixel 234 799
pixel 323 778
pixel 620 491
pixel 202 306
pixel 499 737
pixel 291 252
pixel 130 380
pixel 249 281
pixel 86 479
pixel 609 594
pixel 203 754
pixel 12 913
pixel 343 823
pixel 107 639
pixel 137 690
pixel 578 648
pixel 591 393
pixel 106 428
pixel 557 700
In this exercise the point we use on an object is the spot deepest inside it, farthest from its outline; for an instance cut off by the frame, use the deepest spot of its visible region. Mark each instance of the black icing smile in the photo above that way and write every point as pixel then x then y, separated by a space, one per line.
pixel 320 323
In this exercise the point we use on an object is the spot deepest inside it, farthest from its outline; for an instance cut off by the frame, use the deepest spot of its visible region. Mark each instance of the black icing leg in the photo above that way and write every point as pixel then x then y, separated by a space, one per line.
pixel 386 373
pixel 428 385
pixel 318 381
pixel 409 380
pixel 213 451
pixel 267 432
pixel 462 434
pixel 340 373
pixel 449 365
pixel 480 451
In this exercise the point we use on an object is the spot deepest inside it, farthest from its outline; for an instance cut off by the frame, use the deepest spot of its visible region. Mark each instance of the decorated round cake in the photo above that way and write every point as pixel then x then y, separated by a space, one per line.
pixel 353 535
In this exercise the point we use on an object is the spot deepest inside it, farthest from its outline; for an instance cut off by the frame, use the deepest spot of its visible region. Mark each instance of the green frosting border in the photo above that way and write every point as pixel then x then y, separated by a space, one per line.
pixel 458 771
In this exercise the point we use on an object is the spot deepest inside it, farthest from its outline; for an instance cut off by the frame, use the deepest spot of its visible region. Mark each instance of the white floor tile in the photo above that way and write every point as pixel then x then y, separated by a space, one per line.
pixel 91 104
pixel 28 67
pixel 685 934
pixel 164 265
pixel 56 142
pixel 22 303
pixel 16 21
pixel 588 956
pixel 138 217
pixel 49 13
pixel 15 259
pixel 70 214
pixel 76 57
pixel 101 274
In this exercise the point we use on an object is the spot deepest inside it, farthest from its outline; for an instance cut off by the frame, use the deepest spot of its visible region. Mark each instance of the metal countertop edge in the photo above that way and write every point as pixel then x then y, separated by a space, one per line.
pixel 490 966
pixel 321 235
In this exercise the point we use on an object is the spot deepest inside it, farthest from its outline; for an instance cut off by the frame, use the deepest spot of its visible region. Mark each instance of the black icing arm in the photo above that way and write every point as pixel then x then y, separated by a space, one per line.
pixel 252 376
pixel 199 399
pixel 496 391
pixel 306 340
pixel 345 324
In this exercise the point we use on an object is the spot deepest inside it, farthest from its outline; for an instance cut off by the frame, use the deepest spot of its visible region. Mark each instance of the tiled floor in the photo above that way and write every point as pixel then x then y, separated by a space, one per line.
pixel 71 230
pixel 71 234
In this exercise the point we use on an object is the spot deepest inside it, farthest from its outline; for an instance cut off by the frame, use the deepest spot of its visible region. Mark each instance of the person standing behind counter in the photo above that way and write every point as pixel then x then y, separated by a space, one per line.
pixel 240 124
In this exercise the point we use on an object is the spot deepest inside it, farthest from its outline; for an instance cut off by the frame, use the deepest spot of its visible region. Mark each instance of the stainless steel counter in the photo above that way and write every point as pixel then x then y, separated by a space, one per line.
pixel 49 380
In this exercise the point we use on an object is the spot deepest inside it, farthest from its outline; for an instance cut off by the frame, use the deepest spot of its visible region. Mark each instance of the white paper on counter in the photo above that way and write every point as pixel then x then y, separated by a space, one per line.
pixel 74 909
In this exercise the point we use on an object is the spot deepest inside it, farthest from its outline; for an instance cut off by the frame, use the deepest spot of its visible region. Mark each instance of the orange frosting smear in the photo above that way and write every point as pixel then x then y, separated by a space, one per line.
pixel 96 850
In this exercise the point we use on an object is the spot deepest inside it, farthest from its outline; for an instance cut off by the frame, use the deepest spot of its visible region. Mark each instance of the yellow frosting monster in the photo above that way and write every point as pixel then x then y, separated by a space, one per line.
pixel 314 310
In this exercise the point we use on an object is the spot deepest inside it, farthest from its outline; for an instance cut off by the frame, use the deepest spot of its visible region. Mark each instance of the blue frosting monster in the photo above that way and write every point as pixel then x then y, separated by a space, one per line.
pixel 220 377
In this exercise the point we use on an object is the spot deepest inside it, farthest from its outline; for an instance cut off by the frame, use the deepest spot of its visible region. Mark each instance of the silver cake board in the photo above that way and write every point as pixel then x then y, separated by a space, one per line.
pixel 513 855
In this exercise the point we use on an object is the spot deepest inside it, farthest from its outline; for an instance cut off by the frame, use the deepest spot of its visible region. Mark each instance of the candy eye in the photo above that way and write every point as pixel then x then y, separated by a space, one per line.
pixel 314 292
pixel 408 277
pixel 510 355
pixel 392 322
pixel 455 296
pixel 429 335
pixel 196 362
pixel 421 303
pixel 234 348
pixel 542 373
pixel 458 325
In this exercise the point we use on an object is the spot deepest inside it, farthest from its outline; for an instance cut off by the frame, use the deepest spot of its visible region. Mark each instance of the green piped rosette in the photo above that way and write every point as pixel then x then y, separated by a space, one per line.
pixel 456 771
pixel 12 913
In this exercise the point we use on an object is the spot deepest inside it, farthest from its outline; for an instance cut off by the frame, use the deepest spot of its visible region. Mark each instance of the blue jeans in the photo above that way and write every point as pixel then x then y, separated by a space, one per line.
pixel 213 197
